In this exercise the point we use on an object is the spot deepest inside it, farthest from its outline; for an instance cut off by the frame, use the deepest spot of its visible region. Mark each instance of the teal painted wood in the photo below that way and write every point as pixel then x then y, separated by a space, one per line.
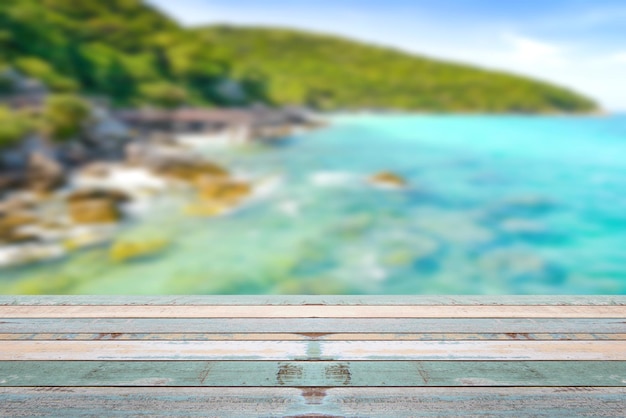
pixel 289 402
pixel 313 300
pixel 308 325
pixel 313 373
pixel 312 386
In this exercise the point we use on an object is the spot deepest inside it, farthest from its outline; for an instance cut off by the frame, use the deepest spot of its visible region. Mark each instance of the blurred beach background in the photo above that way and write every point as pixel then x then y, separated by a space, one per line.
pixel 212 147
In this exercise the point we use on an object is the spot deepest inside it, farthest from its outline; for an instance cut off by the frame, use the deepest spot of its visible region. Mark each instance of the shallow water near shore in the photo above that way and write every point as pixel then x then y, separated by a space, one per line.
pixel 495 205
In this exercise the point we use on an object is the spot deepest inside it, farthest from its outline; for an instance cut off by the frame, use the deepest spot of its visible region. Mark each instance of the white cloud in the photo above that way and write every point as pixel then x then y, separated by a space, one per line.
pixel 597 75
pixel 530 50
pixel 190 12
pixel 492 45
pixel 619 57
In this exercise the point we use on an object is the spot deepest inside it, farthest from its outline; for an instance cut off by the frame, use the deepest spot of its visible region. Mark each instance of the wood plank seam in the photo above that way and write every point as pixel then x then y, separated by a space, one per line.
pixel 319 356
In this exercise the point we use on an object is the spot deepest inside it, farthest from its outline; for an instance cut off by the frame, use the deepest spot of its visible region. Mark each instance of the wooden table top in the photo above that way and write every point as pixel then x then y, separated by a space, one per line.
pixel 356 356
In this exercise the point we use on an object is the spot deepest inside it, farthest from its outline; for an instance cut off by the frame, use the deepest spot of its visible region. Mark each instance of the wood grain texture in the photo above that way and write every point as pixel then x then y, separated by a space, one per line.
pixel 324 350
pixel 314 325
pixel 305 356
pixel 313 373
pixel 314 300
pixel 330 336
pixel 256 311
pixel 291 402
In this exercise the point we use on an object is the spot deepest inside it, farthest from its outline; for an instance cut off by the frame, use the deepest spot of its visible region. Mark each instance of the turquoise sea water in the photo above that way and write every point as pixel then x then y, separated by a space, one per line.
pixel 496 205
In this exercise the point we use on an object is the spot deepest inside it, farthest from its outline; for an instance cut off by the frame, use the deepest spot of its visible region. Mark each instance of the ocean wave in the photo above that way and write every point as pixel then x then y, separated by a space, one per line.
pixel 333 178
pixel 290 208
pixel 268 186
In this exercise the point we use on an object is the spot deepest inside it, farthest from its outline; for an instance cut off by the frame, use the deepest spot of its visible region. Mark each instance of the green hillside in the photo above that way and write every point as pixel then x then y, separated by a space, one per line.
pixel 136 55
pixel 330 72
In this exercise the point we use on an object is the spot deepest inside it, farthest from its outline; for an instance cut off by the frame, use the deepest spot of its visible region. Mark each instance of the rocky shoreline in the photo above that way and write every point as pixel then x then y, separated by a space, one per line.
pixel 52 209
pixel 99 198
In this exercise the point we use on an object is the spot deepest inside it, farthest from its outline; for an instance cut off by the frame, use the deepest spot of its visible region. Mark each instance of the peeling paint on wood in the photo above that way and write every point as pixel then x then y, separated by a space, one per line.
pixel 315 325
pixel 312 337
pixel 327 350
pixel 314 300
pixel 290 402
pixel 313 373
pixel 255 311
pixel 304 356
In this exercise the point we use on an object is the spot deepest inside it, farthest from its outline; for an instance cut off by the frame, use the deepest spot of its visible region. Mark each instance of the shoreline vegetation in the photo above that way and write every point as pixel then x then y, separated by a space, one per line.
pixel 136 55
pixel 104 105
pixel 60 195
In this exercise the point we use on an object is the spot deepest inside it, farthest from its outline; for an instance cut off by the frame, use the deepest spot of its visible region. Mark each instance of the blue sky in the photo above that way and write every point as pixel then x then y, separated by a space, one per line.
pixel 577 43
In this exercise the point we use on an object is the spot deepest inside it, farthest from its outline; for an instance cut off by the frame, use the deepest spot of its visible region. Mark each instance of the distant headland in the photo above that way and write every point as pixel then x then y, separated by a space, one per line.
pixel 136 55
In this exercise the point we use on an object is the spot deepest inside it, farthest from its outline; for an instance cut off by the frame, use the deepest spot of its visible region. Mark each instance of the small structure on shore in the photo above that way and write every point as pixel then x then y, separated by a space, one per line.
pixel 218 126
pixel 86 185
pixel 190 125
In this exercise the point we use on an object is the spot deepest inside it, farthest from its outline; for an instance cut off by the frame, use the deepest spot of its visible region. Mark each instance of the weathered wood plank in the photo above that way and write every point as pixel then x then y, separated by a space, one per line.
pixel 315 325
pixel 472 350
pixel 344 402
pixel 256 311
pixel 311 337
pixel 325 350
pixel 312 356
pixel 313 373
pixel 313 300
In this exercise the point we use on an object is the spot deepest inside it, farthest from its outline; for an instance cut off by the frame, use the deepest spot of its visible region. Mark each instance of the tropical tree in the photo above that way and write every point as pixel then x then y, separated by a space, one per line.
pixel 14 127
pixel 65 117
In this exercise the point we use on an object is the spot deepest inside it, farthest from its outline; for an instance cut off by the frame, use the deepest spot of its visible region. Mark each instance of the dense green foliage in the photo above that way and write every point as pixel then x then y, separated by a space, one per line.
pixel 13 127
pixel 134 54
pixel 119 48
pixel 333 73
pixel 65 117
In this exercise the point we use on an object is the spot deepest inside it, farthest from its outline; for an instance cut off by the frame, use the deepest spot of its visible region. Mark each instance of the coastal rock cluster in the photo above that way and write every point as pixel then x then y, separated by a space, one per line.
pixel 95 206
pixel 77 216
pixel 63 208
pixel 11 224
pixel 388 179
pixel 93 169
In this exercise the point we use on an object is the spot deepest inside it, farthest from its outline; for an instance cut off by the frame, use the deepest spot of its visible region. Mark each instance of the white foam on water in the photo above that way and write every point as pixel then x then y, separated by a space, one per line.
pixel 333 178
pixel 24 254
pixel 134 181
pixel 373 269
pixel 138 207
pixel 261 190
pixel 268 186
pixel 290 208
